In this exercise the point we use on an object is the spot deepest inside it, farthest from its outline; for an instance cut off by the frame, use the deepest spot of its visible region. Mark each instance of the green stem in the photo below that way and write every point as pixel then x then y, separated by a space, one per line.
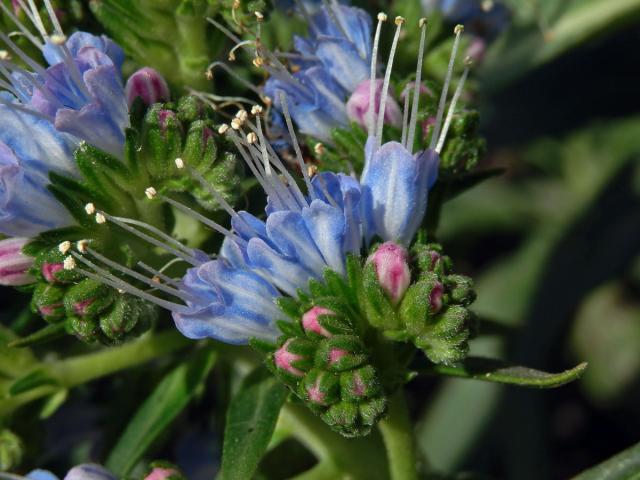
pixel 397 434
pixel 71 372
pixel 191 48
pixel 353 458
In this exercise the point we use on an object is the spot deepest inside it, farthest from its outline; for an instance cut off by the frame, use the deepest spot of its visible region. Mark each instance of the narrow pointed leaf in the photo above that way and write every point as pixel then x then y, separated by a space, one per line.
pixel 623 466
pixel 46 334
pixel 161 408
pixel 251 420
pixel 489 370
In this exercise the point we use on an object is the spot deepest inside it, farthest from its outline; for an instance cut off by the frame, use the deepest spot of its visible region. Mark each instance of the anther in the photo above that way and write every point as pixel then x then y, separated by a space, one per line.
pixel 155 279
pixel 422 22
pixel 208 74
pixel 319 149
pixel 179 163
pixel 236 124
pixel 69 263
pixel 258 62
pixel 487 5
pixel 151 193
pixel 4 55
pixel 82 245
pixel 252 138
pixel 100 218
pixel 256 110
pixel 236 4
pixel 90 208
pixel 382 17
pixel 242 115
pixel 312 170
pixel 64 247
pixel 458 29
pixel 58 39
pixel 259 16
pixel 222 129
pixel 399 20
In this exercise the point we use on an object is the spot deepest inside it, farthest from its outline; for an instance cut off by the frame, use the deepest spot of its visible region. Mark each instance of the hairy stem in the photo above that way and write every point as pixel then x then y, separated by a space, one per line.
pixel 397 434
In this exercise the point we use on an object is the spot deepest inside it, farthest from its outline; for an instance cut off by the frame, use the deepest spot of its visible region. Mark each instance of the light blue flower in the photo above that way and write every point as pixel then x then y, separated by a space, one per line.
pixel 332 60
pixel 86 471
pixel 486 19
pixel 395 186
pixel 31 148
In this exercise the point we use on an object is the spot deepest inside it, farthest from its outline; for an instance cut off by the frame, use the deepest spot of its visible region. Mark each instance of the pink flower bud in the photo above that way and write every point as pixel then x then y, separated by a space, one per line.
pixel 14 265
pixel 147 84
pixel 435 297
pixel 477 49
pixel 358 105
pixel 284 358
pixel 391 263
pixel 336 354
pixel 315 393
pixel 49 270
pixel 159 473
pixel 310 320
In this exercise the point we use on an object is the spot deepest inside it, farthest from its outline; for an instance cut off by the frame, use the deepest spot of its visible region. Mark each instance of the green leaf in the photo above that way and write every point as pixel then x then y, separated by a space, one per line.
pixel 52 403
pixel 251 420
pixel 30 381
pixel 497 371
pixel 624 466
pixel 169 398
pixel 46 334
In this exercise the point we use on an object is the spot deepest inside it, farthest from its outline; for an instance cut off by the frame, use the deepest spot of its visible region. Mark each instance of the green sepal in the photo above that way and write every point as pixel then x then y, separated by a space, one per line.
pixel 415 309
pixel 460 289
pixel 319 388
pixel 44 335
pixel 84 328
pixel 291 308
pixel 340 353
pixel 360 383
pixel 87 298
pixel 290 329
pixel 378 310
pixel 102 172
pixel 428 258
pixel 445 340
pixel 48 302
pixel 128 316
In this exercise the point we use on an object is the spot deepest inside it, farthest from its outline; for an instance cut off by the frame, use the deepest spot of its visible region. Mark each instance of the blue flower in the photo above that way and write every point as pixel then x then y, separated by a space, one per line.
pixel 86 471
pixel 31 148
pixel 486 19
pixel 331 62
pixel 395 186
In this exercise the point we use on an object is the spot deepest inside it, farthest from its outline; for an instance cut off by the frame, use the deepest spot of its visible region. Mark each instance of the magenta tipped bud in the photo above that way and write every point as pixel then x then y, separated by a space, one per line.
pixel 392 269
pixel 358 105
pixel 310 321
pixel 49 271
pixel 435 297
pixel 14 265
pixel 159 473
pixel 283 358
pixel 148 85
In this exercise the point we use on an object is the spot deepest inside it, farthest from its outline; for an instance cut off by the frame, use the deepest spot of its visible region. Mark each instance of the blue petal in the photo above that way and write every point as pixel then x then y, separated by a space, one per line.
pixel 287 274
pixel 53 54
pixel 395 187
pixel 41 475
pixel 288 233
pixel 343 62
pixel 89 471
pixel 326 224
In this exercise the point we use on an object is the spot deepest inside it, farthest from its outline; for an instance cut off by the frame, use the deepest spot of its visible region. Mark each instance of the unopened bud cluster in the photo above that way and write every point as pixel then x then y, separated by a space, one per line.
pixel 91 310
pixel 414 296
pixel 326 364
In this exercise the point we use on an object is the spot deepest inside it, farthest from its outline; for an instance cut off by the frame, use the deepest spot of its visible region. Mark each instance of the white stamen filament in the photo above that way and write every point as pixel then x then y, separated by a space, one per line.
pixel 154 241
pixel 382 17
pixel 445 88
pixel 452 108
pixel 25 31
pixel 416 87
pixel 296 146
pixel 160 275
pixel 387 77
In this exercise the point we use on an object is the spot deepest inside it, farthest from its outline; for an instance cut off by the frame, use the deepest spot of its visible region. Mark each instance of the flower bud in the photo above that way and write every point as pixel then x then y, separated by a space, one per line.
pixel 11 450
pixel 310 321
pixel 89 471
pixel 392 269
pixel 358 105
pixel 128 316
pixel 320 388
pixel 85 328
pixel 290 358
pixel 340 353
pixel 48 301
pixel 460 289
pixel 148 85
pixel 88 297
pixel 49 271
pixel 14 265
pixel 160 473
pixel 360 383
